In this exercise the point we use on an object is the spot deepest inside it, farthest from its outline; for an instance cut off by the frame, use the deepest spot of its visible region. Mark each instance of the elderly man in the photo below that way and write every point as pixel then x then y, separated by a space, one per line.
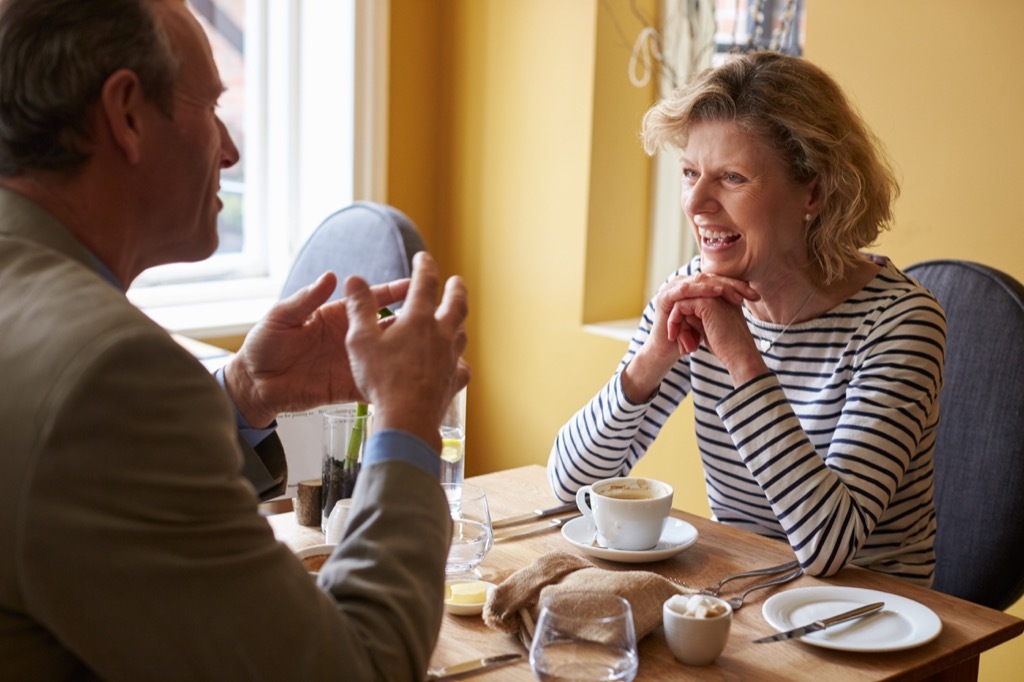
pixel 130 543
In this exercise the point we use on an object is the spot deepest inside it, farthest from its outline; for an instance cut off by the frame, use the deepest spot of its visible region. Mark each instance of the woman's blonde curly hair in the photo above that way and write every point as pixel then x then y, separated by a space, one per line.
pixel 803 114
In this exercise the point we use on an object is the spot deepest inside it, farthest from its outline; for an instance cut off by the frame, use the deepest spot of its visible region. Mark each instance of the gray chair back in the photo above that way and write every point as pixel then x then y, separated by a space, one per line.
pixel 372 240
pixel 979 452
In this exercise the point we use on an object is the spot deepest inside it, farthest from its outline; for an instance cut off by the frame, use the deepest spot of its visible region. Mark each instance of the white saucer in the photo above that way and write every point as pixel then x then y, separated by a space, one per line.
pixel 902 624
pixel 677 536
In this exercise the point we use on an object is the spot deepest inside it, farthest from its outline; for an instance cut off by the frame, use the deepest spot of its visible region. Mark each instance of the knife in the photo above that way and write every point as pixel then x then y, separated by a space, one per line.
pixel 467 668
pixel 553 523
pixel 822 624
pixel 534 515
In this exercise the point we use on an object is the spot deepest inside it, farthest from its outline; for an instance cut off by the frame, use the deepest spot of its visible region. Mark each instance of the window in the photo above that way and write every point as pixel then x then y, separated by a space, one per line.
pixel 290 106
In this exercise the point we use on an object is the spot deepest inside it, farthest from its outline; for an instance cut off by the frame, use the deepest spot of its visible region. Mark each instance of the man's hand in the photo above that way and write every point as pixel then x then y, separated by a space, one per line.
pixel 409 369
pixel 295 358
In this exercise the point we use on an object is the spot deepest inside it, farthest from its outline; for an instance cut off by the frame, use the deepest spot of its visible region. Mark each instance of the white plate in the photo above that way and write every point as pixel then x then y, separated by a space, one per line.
pixel 677 536
pixel 467 609
pixel 902 624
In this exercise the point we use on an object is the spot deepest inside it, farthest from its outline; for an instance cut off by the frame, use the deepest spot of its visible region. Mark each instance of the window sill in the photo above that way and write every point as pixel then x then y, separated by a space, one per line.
pixel 213 319
pixel 620 330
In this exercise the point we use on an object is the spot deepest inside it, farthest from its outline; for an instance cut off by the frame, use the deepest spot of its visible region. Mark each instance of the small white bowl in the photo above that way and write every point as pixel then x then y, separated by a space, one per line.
pixel 306 556
pixel 466 609
pixel 696 640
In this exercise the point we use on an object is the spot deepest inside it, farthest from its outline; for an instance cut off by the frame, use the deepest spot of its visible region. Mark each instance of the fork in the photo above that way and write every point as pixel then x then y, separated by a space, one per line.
pixel 737 602
pixel 714 589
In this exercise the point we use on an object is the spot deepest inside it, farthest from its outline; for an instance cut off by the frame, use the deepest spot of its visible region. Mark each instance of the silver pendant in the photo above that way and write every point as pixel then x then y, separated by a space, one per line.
pixel 765 344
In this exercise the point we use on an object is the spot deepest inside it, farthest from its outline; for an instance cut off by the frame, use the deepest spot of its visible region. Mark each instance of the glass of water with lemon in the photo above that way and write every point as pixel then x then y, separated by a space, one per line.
pixel 453 440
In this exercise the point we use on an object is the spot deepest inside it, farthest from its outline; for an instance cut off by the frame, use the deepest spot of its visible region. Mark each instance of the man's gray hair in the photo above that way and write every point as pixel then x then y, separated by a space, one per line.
pixel 55 56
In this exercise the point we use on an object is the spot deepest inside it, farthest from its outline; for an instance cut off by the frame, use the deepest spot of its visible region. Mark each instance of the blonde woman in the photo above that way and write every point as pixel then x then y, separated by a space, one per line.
pixel 815 367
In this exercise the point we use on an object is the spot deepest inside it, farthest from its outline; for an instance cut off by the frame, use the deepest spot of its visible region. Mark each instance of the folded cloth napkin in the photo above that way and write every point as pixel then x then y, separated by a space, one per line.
pixel 520 595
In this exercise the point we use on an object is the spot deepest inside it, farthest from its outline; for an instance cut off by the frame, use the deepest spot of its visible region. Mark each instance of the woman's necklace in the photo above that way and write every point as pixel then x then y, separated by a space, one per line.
pixel 765 345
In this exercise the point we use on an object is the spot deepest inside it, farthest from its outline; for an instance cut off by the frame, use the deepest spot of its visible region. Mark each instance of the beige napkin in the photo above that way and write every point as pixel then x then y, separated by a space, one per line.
pixel 519 595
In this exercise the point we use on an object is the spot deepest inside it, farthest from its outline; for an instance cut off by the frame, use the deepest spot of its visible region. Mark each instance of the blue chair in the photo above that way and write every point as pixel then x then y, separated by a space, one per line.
pixel 372 240
pixel 375 241
pixel 979 451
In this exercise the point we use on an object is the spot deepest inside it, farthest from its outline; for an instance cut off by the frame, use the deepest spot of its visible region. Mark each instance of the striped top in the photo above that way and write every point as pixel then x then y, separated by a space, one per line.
pixel 831 450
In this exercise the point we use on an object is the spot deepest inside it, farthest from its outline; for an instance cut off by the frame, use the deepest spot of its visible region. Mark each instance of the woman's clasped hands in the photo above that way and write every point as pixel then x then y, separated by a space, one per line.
pixel 705 308
pixel 689 309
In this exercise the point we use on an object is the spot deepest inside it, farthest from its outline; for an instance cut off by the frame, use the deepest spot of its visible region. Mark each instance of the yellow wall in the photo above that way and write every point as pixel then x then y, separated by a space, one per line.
pixel 517 196
pixel 514 147
pixel 940 83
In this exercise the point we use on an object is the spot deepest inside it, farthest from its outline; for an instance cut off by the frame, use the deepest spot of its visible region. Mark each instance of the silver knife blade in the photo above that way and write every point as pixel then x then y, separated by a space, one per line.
pixel 467 668
pixel 553 523
pixel 534 515
pixel 817 625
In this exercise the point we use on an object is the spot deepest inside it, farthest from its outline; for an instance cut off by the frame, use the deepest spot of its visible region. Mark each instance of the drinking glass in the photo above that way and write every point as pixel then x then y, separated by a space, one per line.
pixel 346 427
pixel 472 536
pixel 453 440
pixel 584 636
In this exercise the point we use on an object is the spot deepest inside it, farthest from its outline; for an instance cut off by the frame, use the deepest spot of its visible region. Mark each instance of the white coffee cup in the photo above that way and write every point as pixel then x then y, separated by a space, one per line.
pixel 696 633
pixel 629 513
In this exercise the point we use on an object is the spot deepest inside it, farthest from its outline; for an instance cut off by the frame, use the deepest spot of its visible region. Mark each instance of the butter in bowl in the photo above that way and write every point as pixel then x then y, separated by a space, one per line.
pixel 466 597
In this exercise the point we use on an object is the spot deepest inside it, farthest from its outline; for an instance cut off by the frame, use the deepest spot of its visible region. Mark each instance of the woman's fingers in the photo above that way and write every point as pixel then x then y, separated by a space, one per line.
pixel 709 286
pixel 683 327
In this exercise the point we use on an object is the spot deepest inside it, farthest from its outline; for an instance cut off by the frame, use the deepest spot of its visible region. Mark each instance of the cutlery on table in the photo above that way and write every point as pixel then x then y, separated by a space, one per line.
pixel 737 602
pixel 471 667
pixel 526 628
pixel 714 589
pixel 822 623
pixel 553 523
pixel 535 515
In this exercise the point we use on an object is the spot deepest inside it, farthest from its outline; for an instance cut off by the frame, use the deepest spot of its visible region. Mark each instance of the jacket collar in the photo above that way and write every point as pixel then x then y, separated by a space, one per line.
pixel 22 218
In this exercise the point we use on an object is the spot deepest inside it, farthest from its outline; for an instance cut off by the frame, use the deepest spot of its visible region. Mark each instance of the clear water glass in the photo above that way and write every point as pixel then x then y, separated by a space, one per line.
pixel 584 636
pixel 472 536
pixel 453 440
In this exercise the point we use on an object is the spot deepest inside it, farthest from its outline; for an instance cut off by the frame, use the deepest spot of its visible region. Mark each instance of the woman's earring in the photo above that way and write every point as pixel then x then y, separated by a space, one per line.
pixel 807 217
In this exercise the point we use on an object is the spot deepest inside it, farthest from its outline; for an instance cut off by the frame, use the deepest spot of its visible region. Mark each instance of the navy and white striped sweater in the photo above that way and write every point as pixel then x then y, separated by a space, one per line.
pixel 831 450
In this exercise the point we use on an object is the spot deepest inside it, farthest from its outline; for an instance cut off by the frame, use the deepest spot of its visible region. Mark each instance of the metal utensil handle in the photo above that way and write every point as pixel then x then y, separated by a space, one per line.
pixel 737 602
pixel 850 615
pixel 770 570
pixel 553 523
pixel 535 515
pixel 774 581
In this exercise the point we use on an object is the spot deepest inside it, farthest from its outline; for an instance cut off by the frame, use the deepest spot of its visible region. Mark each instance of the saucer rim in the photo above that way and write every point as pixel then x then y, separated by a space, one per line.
pixel 633 556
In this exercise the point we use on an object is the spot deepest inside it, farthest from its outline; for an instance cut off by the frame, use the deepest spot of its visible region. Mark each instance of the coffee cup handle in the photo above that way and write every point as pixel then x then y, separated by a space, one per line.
pixel 583 500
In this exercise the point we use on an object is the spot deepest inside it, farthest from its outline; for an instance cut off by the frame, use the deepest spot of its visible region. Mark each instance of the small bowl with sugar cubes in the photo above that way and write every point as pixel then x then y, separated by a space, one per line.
pixel 696 627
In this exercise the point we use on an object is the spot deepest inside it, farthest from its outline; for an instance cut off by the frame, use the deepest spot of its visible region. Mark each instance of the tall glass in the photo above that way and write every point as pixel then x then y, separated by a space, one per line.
pixel 584 636
pixel 453 440
pixel 346 428
pixel 472 536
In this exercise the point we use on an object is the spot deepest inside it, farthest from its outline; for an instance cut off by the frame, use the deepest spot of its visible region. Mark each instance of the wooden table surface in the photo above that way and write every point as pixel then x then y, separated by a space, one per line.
pixel 967 629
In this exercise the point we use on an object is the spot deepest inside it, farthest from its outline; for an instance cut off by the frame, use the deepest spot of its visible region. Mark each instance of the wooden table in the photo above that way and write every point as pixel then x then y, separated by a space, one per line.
pixel 967 629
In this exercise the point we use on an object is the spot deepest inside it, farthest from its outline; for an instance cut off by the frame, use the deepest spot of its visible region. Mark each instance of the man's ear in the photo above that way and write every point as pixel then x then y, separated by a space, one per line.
pixel 120 109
